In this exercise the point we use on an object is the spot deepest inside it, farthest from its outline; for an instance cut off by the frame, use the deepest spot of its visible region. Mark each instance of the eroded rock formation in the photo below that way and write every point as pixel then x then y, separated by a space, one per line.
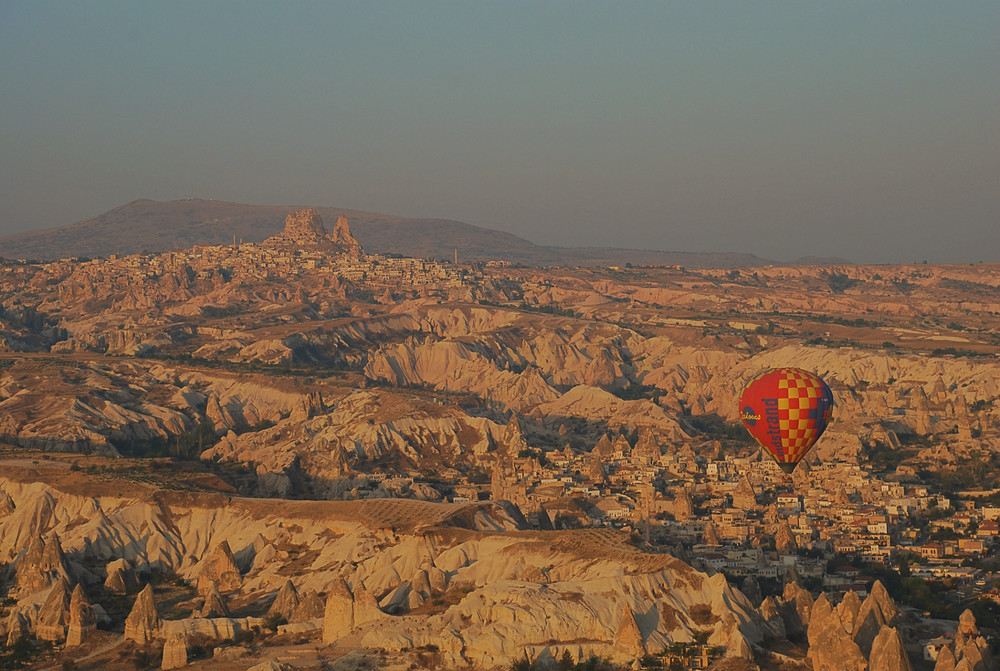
pixel 143 623
pixel 82 619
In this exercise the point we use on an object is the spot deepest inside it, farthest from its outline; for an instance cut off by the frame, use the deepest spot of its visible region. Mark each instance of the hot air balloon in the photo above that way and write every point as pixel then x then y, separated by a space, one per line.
pixel 786 410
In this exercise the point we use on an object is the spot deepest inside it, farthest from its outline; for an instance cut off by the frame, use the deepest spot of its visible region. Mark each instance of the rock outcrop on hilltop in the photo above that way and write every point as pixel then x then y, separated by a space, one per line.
pixel 304 229
pixel 342 236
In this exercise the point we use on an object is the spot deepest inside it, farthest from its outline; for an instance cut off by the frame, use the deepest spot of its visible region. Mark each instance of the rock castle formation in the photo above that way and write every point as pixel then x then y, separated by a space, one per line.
pixel 305 229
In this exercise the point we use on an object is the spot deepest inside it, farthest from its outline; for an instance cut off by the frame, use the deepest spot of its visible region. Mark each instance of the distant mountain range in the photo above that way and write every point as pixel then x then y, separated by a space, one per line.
pixel 179 224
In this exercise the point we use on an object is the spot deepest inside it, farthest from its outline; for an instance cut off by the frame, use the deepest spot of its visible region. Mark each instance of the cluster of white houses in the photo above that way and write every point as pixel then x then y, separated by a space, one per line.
pixel 746 517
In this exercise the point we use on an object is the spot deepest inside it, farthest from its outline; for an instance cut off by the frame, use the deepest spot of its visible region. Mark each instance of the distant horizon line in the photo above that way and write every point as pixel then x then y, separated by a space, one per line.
pixel 803 260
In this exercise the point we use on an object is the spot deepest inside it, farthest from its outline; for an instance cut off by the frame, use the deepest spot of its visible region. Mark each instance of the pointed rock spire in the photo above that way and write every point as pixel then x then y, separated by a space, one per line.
pixel 622 446
pixel 342 236
pixel 771 612
pixel 286 602
pixel 338 615
pixel 220 570
pixel 647 447
pixel 972 655
pixel 628 639
pixel 744 496
pixel 17 628
pixel 881 598
pixel 847 610
pixel 710 536
pixel 143 624
pixel 830 648
pixel 121 577
pixel 784 539
pixel 42 565
pixel 310 608
pixel 945 659
pixel 82 619
pixel 175 652
pixel 215 604
pixel 967 624
pixel 365 607
pixel 596 469
pixel 53 617
pixel 6 504
pixel 604 448
pixel 683 506
pixel 887 652
pixel 513 437
pixel 751 590
pixel 797 607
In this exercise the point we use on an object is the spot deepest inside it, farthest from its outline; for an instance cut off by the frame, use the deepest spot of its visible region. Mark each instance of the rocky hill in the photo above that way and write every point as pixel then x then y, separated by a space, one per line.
pixel 162 226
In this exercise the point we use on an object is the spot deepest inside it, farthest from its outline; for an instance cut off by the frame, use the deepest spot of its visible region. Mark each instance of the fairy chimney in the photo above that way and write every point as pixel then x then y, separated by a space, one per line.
pixel 628 639
pixel 82 619
pixel 286 602
pixel 143 624
pixel 220 571
pixel 215 604
pixel 53 617
pixel 310 607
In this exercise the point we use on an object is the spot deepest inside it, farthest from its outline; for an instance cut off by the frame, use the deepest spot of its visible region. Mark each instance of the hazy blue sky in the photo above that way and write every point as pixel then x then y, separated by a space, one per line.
pixel 868 130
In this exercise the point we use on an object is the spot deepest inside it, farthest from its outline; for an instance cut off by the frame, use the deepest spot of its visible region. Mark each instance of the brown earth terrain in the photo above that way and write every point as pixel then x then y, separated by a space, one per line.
pixel 319 455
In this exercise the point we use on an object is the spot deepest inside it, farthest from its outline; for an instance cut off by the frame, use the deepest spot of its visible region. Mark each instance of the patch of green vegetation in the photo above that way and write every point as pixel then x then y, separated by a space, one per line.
pixel 22 653
pixel 958 353
pixel 636 392
pixel 966 286
pixel 718 429
pixel 549 310
pixel 534 453
pixel 883 457
pixel 839 283
pixel 281 370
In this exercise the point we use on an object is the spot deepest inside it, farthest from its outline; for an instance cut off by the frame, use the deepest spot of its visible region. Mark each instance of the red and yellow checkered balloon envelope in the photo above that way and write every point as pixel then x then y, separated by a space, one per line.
pixel 786 410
